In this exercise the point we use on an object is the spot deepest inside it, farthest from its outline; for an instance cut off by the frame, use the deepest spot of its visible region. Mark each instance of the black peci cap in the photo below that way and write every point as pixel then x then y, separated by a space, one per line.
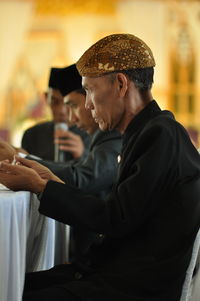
pixel 65 79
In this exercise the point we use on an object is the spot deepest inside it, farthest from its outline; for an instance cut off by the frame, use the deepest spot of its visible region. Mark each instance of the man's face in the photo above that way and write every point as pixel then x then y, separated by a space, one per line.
pixel 58 108
pixel 78 115
pixel 104 100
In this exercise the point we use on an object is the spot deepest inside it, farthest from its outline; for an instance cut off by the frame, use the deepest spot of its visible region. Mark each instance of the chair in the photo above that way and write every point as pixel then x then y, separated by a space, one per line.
pixel 195 285
pixel 191 286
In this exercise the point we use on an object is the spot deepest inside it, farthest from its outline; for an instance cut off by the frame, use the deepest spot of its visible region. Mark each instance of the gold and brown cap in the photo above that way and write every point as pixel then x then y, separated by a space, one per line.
pixel 115 52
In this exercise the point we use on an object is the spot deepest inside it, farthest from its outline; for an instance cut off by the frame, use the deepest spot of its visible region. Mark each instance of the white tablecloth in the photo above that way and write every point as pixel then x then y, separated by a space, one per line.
pixel 28 241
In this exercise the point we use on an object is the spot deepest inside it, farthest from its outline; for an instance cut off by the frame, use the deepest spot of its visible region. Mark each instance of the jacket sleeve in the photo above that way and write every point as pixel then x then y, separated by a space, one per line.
pixel 96 172
pixel 149 175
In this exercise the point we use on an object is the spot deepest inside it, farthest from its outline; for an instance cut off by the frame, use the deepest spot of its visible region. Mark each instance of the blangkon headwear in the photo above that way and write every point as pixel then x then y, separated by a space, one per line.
pixel 65 80
pixel 115 52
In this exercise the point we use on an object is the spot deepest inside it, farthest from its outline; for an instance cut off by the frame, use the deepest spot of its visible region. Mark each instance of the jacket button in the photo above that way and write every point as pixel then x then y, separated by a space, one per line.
pixel 118 158
pixel 78 275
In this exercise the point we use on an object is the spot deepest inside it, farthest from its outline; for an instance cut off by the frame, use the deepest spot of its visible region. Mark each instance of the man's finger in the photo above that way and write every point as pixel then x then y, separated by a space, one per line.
pixel 68 148
pixel 25 162
pixel 7 167
pixel 6 177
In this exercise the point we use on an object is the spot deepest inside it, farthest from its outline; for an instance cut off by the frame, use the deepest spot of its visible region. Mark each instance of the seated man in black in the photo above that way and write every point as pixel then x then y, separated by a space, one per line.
pixel 149 222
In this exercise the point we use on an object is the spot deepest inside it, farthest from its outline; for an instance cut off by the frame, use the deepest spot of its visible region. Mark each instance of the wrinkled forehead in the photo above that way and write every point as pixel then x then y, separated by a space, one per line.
pixel 88 82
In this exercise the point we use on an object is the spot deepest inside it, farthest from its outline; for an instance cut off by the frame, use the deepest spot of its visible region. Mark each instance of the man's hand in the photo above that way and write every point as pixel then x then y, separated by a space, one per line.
pixel 70 142
pixel 41 170
pixel 18 177
pixel 20 150
pixel 7 152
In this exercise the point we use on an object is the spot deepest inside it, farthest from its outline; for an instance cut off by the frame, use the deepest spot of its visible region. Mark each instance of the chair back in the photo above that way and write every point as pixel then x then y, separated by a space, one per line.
pixel 195 286
pixel 190 287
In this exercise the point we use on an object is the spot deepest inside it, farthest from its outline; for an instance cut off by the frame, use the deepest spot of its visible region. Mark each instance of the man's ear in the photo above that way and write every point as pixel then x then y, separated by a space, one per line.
pixel 45 95
pixel 122 83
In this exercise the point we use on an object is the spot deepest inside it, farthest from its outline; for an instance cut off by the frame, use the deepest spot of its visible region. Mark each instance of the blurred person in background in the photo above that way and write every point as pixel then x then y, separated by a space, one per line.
pixel 39 140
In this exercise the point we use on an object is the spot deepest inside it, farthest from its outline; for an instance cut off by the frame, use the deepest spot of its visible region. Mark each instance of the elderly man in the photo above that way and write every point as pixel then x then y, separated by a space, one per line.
pixel 86 173
pixel 149 221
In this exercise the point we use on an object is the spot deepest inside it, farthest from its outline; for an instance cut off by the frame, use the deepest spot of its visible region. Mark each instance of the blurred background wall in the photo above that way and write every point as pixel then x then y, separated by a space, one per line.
pixel 38 34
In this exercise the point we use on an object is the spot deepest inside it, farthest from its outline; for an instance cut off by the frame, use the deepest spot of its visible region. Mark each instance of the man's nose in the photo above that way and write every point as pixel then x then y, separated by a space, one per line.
pixel 72 117
pixel 88 104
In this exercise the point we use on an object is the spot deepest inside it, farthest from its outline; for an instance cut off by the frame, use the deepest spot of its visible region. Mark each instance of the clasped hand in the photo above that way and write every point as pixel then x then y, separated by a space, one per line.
pixel 26 175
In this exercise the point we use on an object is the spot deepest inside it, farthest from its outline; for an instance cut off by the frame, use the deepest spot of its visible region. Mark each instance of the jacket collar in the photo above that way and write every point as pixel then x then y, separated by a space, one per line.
pixel 142 118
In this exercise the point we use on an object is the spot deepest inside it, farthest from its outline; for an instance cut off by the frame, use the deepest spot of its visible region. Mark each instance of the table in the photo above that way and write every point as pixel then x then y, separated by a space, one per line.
pixel 28 241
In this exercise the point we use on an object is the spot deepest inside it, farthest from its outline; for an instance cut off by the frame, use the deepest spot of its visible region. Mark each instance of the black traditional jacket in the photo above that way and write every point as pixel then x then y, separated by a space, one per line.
pixel 148 223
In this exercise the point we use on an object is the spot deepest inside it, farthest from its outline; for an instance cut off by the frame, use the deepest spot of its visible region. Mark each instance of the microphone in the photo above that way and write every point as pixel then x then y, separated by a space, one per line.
pixel 59 155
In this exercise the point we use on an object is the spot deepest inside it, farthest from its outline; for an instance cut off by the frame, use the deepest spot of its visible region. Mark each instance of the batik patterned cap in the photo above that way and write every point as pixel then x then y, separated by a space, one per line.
pixel 115 52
